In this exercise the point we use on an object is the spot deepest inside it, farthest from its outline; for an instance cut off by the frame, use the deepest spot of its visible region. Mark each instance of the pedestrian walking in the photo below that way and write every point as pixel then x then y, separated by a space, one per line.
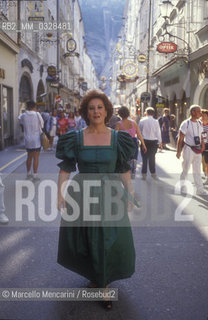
pixel 130 126
pixel 165 127
pixel 45 116
pixel 51 128
pixel 150 130
pixel 32 123
pixel 71 121
pixel 190 133
pixel 173 129
pixel 99 253
pixel 3 218
pixel 77 119
pixel 62 124
pixel 113 121
pixel 205 138
pixel 80 122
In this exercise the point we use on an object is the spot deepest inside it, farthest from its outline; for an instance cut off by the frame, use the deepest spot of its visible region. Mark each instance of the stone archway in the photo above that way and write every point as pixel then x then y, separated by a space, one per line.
pixel 205 98
pixel 200 95
pixel 183 108
pixel 39 96
pixel 173 103
pixel 25 90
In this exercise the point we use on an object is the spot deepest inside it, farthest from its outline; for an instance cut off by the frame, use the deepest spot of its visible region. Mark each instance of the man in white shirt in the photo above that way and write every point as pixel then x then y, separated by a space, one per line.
pixel 190 133
pixel 32 123
pixel 151 133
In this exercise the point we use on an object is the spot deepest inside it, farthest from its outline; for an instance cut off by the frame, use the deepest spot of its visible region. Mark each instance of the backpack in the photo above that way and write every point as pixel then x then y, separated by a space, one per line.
pixel 177 136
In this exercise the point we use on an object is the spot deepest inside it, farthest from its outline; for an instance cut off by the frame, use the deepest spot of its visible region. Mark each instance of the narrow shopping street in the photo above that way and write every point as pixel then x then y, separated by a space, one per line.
pixel 170 281
pixel 91 82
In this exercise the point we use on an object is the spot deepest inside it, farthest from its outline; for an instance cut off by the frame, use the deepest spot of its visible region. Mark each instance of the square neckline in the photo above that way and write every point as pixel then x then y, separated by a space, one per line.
pixel 96 146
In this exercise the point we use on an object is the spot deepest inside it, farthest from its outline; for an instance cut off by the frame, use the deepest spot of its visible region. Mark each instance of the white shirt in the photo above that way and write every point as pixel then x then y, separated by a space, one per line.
pixel 77 118
pixel 191 129
pixel 33 124
pixel 150 129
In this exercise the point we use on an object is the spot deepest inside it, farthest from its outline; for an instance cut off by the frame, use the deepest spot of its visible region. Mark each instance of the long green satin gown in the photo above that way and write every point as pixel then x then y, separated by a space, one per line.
pixel 102 253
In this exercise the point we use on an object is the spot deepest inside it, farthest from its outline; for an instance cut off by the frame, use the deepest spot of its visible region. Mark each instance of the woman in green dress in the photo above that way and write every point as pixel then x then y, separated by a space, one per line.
pixel 101 248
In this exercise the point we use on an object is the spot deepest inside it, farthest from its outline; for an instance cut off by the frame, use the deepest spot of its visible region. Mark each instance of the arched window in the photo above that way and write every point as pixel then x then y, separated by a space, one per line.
pixel 25 90
pixel 205 102
pixel 40 91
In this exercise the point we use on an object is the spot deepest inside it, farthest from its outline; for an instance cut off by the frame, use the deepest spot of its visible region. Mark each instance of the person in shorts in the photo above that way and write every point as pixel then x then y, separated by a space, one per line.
pixel 190 132
pixel 33 124
pixel 205 137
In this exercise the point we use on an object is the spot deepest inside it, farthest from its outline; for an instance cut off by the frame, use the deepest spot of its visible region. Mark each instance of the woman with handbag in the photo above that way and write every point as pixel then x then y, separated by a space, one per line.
pixel 205 138
pixel 32 123
pixel 132 128
pixel 52 128
pixel 62 124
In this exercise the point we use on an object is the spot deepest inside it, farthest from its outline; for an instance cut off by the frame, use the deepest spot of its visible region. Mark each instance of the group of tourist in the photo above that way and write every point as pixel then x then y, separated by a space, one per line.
pixel 60 122
pixel 105 252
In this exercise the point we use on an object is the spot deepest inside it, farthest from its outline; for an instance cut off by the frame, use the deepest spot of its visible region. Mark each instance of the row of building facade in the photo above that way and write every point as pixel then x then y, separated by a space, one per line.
pixel 43 57
pixel 142 75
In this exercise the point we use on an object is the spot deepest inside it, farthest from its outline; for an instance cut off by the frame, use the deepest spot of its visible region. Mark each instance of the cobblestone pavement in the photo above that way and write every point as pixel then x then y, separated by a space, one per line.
pixel 170 281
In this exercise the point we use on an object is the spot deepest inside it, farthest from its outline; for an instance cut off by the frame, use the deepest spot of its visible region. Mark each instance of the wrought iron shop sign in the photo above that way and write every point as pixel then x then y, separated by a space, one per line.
pixel 84 86
pixel 141 58
pixel 130 69
pixel 167 47
pixel 51 71
pixel 71 45
pixel 36 11
pixel 122 78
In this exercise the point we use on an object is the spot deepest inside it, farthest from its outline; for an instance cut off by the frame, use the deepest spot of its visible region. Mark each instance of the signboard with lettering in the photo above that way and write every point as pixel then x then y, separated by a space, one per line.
pixel 36 11
pixel 167 47
pixel 160 105
pixel 141 58
pixel 58 99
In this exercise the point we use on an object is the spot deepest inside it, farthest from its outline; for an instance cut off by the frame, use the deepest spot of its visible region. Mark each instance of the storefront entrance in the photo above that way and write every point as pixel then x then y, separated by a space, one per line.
pixel 6 113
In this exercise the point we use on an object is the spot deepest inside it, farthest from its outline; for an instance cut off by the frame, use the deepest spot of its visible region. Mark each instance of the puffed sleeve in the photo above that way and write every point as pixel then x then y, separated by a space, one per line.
pixel 66 150
pixel 126 149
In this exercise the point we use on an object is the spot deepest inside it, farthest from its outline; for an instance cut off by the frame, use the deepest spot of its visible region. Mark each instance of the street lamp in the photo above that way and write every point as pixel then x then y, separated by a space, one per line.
pixel 166 8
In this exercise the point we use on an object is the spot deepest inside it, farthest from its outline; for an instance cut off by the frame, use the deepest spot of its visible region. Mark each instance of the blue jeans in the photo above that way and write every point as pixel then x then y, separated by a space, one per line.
pixel 152 146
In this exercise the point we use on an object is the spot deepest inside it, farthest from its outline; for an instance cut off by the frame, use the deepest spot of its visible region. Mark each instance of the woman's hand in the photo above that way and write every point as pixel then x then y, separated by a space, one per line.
pixel 144 148
pixel 61 203
pixel 130 206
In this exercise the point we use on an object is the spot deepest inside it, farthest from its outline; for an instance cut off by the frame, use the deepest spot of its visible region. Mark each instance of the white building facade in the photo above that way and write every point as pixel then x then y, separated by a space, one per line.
pixel 175 80
pixel 8 76
pixel 44 60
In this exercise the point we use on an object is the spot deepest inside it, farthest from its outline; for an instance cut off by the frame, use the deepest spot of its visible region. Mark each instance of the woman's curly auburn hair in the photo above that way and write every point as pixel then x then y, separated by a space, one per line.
pixel 95 94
